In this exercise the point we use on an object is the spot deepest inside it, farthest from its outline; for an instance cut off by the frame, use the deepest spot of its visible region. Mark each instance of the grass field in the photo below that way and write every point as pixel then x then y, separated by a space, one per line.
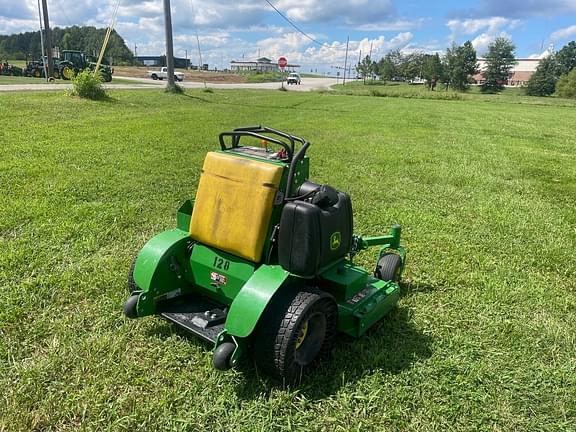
pixel 7 80
pixel 482 339
pixel 403 90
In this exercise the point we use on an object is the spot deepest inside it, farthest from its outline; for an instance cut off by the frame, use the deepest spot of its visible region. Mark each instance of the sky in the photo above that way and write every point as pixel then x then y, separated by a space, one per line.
pixel 245 30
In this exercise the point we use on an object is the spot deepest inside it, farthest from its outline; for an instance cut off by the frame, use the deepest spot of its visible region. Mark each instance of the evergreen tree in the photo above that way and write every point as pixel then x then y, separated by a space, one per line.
pixel 87 39
pixel 543 82
pixel 388 66
pixel 499 61
pixel 433 70
pixel 461 63
pixel 566 58
pixel 365 68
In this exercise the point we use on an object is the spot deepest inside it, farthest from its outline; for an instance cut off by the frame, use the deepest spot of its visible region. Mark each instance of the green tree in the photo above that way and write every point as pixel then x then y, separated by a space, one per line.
pixel 433 69
pixel 543 82
pixel 66 41
pixel 365 68
pixel 412 65
pixel 566 58
pixel 87 39
pixel 388 66
pixel 461 63
pixel 566 85
pixel 499 61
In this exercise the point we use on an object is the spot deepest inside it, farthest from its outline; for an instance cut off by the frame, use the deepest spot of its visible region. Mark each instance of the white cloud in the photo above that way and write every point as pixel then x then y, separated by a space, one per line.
pixel 335 52
pixel 564 33
pixel 482 31
pixel 482 41
pixel 471 26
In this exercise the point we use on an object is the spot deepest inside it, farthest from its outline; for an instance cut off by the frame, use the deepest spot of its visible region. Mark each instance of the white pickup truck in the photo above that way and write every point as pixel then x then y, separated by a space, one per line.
pixel 163 74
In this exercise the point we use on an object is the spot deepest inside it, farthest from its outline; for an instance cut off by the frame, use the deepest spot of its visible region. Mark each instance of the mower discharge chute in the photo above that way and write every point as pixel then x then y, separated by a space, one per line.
pixel 260 261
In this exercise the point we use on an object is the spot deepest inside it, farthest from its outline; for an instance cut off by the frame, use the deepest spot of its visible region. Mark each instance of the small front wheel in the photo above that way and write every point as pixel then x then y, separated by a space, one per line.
pixel 223 356
pixel 130 307
pixel 389 267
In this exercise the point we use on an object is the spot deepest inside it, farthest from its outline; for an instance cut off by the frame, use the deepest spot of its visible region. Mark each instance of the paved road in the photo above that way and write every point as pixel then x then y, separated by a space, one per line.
pixel 308 84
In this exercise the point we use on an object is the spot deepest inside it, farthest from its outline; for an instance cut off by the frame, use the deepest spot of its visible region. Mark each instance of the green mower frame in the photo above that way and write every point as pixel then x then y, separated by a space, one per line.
pixel 286 306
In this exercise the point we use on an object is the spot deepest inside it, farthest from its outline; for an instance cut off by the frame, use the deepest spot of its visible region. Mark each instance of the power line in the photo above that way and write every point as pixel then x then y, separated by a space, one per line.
pixel 296 27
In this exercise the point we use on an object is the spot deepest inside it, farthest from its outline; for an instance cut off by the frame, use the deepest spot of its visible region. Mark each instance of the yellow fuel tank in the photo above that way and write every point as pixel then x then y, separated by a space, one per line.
pixel 234 204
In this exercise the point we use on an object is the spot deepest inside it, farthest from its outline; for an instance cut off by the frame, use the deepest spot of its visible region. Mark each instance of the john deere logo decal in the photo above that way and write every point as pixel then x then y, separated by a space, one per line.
pixel 335 240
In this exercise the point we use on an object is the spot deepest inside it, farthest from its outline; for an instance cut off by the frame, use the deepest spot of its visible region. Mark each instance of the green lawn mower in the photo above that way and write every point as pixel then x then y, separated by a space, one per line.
pixel 261 261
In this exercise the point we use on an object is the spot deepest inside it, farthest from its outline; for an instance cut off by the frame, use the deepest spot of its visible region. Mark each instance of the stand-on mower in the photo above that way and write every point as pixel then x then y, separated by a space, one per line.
pixel 260 261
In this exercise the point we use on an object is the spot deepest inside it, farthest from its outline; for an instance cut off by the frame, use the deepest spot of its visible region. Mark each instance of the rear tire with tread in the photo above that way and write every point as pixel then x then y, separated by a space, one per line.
pixel 297 330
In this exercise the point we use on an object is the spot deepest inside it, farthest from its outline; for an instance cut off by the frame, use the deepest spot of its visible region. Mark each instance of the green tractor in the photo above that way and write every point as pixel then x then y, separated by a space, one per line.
pixel 72 62
pixel 261 261
pixel 10 70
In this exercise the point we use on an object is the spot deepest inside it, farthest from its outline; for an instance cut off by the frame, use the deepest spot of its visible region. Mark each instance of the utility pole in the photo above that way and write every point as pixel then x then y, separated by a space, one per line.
pixel 200 52
pixel 186 59
pixel 47 39
pixel 42 42
pixel 169 46
pixel 346 61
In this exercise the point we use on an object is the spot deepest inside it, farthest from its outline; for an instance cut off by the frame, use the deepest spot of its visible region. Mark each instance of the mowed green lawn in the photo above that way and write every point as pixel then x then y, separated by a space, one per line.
pixel 483 337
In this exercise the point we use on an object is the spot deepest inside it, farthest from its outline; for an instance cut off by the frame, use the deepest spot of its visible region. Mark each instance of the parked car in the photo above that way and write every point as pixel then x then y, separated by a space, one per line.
pixel 293 78
pixel 163 74
pixel 417 80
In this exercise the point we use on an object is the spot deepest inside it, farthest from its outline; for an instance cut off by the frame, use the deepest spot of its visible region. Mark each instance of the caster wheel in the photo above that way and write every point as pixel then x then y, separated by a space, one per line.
pixel 388 267
pixel 223 355
pixel 130 307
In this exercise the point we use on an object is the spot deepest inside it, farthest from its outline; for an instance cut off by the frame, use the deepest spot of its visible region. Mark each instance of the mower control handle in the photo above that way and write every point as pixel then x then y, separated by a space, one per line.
pixel 257 132
pixel 236 135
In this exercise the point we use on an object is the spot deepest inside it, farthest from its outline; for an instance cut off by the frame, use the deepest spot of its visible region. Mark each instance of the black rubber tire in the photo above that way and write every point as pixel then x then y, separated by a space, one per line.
pixel 132 286
pixel 130 307
pixel 67 73
pixel 154 77
pixel 276 339
pixel 223 355
pixel 388 267
pixel 37 73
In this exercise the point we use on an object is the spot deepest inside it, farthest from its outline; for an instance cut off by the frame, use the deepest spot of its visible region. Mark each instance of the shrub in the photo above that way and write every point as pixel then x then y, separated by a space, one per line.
pixel 88 86
pixel 543 82
pixel 566 85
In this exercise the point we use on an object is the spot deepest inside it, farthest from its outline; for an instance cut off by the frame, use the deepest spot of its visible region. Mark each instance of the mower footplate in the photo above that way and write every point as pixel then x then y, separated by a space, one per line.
pixel 198 315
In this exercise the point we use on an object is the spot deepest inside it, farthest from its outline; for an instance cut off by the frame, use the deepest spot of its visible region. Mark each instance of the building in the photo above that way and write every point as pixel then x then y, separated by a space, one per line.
pixel 519 75
pixel 262 64
pixel 158 61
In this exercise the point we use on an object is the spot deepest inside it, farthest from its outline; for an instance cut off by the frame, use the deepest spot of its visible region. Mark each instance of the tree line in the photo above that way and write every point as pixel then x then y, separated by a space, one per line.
pixel 456 67
pixel 27 45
